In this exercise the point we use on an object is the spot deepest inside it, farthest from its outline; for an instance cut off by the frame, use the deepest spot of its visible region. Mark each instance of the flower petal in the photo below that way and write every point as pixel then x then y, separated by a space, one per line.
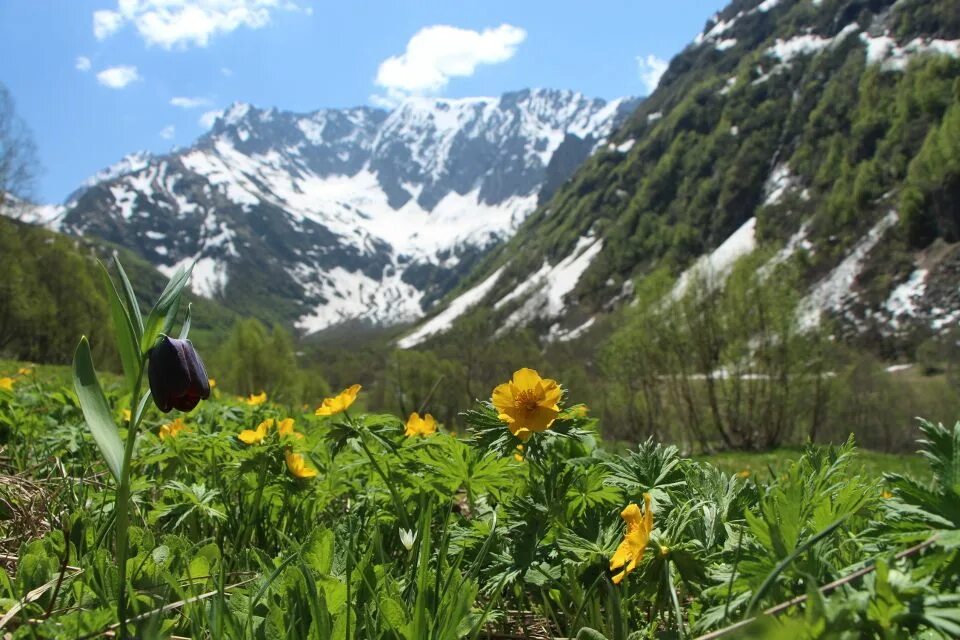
pixel 526 378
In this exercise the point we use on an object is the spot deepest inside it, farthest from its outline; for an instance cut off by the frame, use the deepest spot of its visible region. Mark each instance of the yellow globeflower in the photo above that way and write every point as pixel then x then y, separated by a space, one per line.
pixel 126 415
pixel 528 403
pixel 639 526
pixel 745 473
pixel 298 467
pixel 417 426
pixel 519 455
pixel 285 428
pixel 171 429
pixel 24 371
pixel 7 384
pixel 256 436
pixel 212 383
pixel 338 403
pixel 254 400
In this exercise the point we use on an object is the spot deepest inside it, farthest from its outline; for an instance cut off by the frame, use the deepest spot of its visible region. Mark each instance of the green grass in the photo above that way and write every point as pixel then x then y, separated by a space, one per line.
pixel 767 463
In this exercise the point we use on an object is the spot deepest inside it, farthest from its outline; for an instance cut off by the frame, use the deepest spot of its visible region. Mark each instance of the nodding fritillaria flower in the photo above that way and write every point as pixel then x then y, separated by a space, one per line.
pixel 639 526
pixel 417 426
pixel 528 403
pixel 338 403
pixel 298 467
pixel 178 379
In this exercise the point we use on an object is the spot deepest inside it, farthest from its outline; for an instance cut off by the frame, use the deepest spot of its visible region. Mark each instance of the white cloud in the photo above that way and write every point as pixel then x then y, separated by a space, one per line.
pixel 118 77
pixel 168 132
pixel 189 103
pixel 82 63
pixel 209 117
pixel 651 68
pixel 440 52
pixel 106 23
pixel 180 23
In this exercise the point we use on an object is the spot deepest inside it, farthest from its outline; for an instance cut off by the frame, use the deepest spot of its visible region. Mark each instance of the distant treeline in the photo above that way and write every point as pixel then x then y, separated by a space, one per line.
pixel 721 364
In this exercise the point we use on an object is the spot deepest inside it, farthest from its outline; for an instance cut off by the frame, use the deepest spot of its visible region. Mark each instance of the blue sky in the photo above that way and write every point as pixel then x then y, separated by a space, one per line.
pixel 97 79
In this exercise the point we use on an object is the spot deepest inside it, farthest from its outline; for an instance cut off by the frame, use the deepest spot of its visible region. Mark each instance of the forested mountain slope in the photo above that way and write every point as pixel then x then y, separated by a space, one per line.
pixel 825 130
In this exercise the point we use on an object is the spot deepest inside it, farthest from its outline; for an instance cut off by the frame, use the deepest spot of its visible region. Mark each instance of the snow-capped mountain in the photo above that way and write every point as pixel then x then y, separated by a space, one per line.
pixel 821 131
pixel 344 214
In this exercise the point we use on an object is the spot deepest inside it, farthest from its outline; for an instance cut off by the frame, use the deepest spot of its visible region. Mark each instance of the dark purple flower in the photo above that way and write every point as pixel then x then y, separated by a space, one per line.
pixel 177 377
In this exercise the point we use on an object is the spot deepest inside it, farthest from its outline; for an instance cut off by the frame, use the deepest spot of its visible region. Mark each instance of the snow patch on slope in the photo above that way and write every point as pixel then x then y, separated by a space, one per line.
pixel 883 50
pixel 834 290
pixel 719 262
pixel 904 299
pixel 543 293
pixel 350 295
pixel 444 320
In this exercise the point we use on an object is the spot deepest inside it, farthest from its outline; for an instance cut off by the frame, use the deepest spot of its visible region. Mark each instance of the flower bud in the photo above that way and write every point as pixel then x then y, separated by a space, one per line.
pixel 178 379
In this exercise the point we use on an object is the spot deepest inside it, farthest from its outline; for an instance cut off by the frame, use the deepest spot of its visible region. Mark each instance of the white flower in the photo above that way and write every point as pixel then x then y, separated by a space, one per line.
pixel 407 538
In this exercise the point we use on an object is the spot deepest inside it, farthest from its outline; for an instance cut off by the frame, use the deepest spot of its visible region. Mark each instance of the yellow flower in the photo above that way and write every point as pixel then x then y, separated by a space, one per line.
pixel 886 495
pixel 338 403
pixel 212 383
pixel 24 371
pixel 417 426
pixel 127 415
pixel 256 436
pixel 298 467
pixel 743 474
pixel 171 429
pixel 7 384
pixel 519 456
pixel 579 411
pixel 639 526
pixel 285 428
pixel 254 400
pixel 528 403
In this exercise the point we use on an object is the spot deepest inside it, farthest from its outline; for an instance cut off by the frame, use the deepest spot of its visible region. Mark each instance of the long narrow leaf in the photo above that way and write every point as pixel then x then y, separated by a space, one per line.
pixel 133 306
pixel 96 411
pixel 123 326
pixel 165 311
pixel 185 328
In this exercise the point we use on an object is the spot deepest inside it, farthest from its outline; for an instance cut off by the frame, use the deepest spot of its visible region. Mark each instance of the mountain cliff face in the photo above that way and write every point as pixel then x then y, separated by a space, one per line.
pixel 343 214
pixel 826 132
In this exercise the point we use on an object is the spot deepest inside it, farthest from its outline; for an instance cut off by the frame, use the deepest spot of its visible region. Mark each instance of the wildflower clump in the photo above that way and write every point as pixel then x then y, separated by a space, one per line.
pixel 297 466
pixel 639 526
pixel 255 400
pixel 172 429
pixel 527 403
pixel 420 426
pixel 339 403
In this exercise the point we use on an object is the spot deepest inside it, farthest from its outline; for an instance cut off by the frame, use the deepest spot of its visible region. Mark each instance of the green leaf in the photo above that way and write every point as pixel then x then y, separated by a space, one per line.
pixel 123 326
pixel 185 328
pixel 96 411
pixel 165 311
pixel 133 306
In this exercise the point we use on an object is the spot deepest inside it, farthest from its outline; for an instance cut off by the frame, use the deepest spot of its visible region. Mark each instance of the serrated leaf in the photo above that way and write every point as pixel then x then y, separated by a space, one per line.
pixel 95 409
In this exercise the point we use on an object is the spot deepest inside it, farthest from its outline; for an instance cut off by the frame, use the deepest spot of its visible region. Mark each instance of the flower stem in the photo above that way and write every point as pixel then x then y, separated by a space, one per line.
pixel 123 499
